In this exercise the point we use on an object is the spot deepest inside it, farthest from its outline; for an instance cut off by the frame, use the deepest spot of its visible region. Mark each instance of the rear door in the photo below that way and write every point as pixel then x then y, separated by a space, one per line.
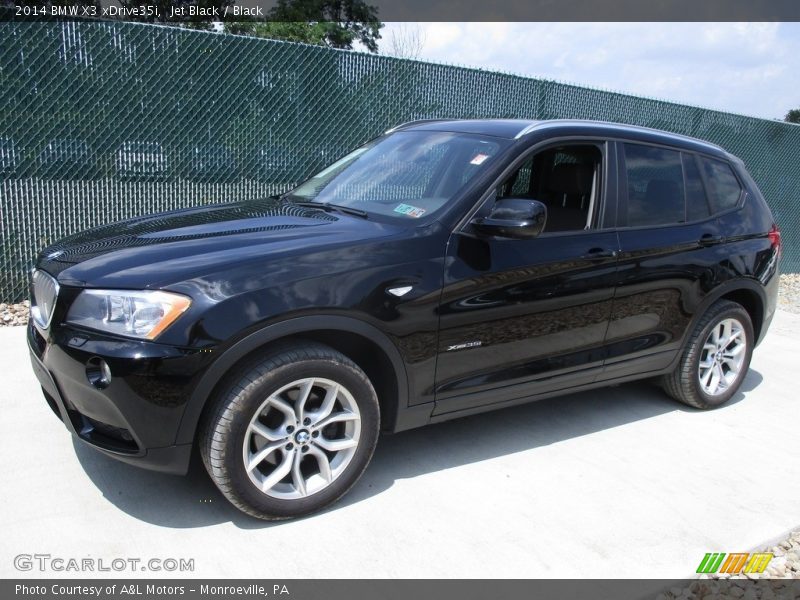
pixel 670 246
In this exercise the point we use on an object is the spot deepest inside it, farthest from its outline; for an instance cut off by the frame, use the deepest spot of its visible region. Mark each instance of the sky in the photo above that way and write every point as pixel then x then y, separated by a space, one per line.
pixel 746 68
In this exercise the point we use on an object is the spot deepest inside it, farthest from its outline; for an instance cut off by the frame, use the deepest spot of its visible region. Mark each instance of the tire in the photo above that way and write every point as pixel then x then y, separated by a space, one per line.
pixel 684 383
pixel 254 422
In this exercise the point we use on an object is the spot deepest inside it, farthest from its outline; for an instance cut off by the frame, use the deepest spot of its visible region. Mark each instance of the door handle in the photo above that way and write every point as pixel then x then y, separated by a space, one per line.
pixel 710 239
pixel 599 254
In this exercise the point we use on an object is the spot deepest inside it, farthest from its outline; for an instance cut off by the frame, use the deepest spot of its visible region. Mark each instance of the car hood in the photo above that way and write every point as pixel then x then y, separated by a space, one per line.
pixel 156 250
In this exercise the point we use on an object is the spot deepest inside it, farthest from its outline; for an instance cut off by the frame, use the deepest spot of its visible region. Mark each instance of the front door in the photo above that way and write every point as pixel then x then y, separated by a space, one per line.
pixel 523 317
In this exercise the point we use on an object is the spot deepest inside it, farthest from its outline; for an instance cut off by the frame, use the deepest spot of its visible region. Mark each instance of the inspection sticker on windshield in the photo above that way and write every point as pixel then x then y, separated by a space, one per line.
pixel 411 211
pixel 478 159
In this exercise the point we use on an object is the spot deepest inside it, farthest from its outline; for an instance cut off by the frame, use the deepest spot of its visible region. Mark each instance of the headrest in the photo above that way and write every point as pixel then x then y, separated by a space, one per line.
pixel 571 178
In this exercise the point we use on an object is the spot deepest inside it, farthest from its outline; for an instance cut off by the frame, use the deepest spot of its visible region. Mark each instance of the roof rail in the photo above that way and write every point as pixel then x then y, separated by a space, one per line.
pixel 527 129
pixel 416 122
pixel 622 126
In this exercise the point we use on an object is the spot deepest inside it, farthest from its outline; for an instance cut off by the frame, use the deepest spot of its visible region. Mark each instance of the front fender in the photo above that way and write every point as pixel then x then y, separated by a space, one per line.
pixel 291 327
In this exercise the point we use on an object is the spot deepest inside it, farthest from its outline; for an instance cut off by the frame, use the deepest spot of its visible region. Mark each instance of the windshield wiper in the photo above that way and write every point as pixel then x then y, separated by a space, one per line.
pixel 328 207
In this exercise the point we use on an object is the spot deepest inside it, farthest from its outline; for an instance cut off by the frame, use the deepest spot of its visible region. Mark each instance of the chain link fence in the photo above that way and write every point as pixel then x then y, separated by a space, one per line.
pixel 105 120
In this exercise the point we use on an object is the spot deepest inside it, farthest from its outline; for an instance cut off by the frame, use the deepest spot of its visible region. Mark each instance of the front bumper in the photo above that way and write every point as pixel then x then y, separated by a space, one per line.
pixel 134 419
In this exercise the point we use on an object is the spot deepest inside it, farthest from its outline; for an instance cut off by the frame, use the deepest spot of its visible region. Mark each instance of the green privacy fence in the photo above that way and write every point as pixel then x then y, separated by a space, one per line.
pixel 103 121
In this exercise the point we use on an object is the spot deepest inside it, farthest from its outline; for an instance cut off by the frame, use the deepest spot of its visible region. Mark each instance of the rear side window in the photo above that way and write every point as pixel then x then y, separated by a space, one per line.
pixel 724 190
pixel 696 201
pixel 655 186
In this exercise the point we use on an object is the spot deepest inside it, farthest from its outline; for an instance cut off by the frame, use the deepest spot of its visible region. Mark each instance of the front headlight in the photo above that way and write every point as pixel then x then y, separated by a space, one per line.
pixel 140 314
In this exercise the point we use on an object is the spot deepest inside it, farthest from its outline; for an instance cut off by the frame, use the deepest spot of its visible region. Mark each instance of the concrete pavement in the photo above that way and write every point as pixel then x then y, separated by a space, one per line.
pixel 618 482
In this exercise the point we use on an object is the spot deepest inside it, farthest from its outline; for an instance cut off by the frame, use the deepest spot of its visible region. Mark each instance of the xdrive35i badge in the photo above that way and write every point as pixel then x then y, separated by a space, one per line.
pixel 464 345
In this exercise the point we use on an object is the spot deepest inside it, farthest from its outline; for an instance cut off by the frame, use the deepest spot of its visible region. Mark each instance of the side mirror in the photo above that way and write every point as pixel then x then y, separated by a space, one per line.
pixel 513 218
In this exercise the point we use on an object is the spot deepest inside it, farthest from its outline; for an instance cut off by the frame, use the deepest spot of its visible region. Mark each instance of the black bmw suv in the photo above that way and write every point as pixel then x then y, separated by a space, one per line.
pixel 443 269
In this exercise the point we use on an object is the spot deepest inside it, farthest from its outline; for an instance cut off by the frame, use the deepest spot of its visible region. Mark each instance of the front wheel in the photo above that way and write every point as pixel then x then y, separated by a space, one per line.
pixel 291 433
pixel 716 358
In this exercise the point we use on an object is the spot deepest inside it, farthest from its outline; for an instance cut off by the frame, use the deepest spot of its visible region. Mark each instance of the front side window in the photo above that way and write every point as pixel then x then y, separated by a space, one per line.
pixel 566 179
pixel 724 190
pixel 408 174
pixel 656 193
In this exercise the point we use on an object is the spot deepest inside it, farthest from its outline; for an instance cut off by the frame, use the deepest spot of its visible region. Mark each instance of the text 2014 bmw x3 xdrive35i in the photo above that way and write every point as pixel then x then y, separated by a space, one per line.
pixel 443 269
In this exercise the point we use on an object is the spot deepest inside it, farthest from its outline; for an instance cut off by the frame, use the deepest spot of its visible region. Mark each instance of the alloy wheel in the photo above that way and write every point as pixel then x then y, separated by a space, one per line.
pixel 722 357
pixel 302 437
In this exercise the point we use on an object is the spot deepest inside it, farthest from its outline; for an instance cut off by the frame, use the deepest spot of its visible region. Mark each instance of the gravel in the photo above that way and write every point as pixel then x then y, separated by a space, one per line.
pixel 14 314
pixel 746 589
pixel 785 564
pixel 780 580
pixel 789 292
pixel 787 558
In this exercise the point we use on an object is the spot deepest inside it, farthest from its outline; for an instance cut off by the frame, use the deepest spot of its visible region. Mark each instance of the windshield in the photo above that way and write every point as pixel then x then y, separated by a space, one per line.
pixel 407 175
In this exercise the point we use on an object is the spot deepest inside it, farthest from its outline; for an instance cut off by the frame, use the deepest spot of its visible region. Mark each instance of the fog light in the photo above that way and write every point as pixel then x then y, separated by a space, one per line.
pixel 98 373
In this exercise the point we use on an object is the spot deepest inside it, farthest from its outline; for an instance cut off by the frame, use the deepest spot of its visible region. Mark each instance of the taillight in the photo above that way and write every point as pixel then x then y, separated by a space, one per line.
pixel 775 237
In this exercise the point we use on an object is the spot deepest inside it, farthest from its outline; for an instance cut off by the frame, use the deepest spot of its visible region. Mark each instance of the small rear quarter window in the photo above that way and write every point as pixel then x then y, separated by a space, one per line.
pixel 724 189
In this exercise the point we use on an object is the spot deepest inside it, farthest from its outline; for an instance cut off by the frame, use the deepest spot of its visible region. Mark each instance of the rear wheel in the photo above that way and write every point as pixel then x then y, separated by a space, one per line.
pixel 292 433
pixel 716 358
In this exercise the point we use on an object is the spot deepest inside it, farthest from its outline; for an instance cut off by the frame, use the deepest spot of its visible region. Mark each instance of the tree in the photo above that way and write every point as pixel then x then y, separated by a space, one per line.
pixel 407 41
pixel 793 116
pixel 333 23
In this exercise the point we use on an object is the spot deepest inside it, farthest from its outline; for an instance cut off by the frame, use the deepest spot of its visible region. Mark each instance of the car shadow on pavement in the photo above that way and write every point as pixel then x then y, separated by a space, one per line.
pixel 194 501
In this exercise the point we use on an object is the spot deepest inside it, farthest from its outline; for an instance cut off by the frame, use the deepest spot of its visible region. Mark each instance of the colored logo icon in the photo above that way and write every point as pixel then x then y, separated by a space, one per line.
pixel 738 562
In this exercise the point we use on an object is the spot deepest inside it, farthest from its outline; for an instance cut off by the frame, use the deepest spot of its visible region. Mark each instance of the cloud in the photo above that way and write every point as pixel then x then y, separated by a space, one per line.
pixel 749 68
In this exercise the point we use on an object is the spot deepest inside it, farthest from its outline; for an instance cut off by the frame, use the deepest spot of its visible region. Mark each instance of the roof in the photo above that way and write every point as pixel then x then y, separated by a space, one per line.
pixel 521 128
